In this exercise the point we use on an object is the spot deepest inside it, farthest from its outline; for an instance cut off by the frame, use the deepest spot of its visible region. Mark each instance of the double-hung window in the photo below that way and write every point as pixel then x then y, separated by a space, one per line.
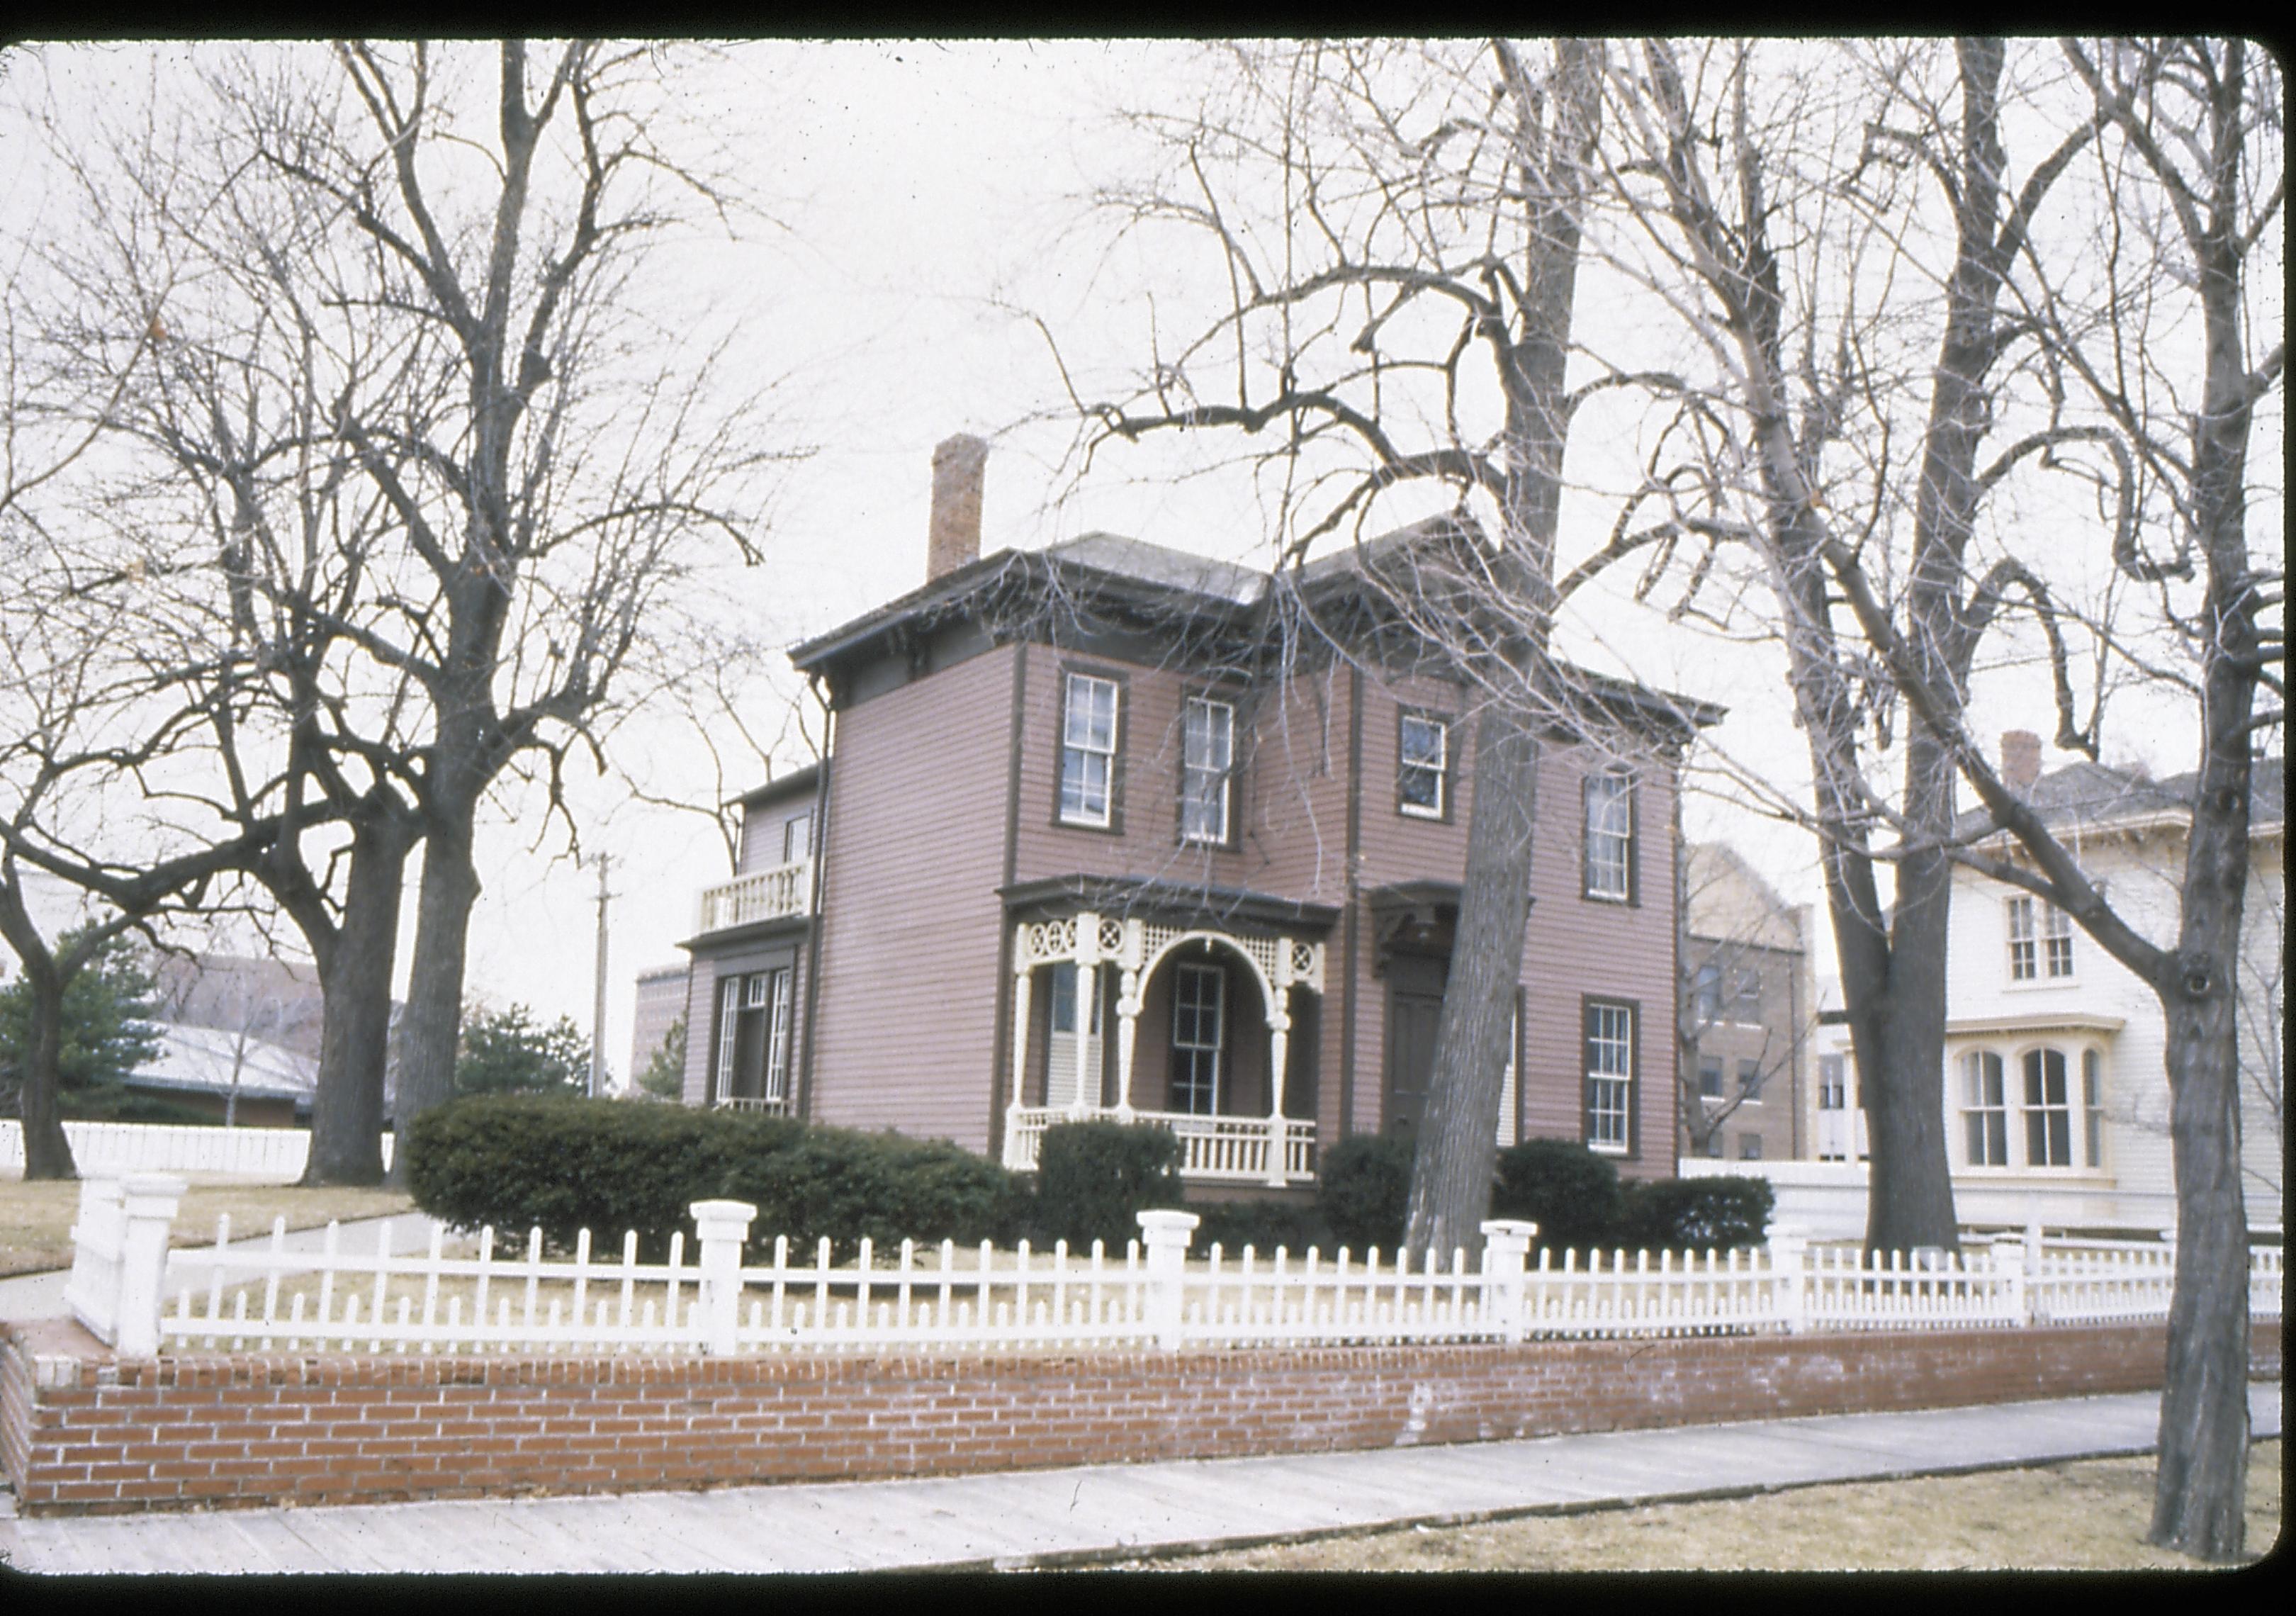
pixel 1706 995
pixel 2040 940
pixel 753 1037
pixel 1206 765
pixel 1422 771
pixel 1088 751
pixel 796 837
pixel 1984 1109
pixel 1199 1003
pixel 1609 1076
pixel 1610 837
pixel 2049 1118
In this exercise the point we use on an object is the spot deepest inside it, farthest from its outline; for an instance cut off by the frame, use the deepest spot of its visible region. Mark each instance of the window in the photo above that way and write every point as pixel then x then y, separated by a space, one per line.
pixel 1610 837
pixel 1423 768
pixel 1750 1147
pixel 1609 1076
pixel 2093 1105
pixel 1748 1005
pixel 1984 1114
pixel 1714 1144
pixel 2047 946
pixel 1710 1079
pixel 1073 1061
pixel 796 837
pixel 2048 1121
pixel 1706 994
pixel 1833 1090
pixel 1750 1081
pixel 1510 1116
pixel 1199 995
pixel 753 1037
pixel 1088 751
pixel 1207 758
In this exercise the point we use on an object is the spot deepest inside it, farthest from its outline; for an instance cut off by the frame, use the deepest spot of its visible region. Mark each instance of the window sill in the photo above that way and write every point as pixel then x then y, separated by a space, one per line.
pixel 1619 898
pixel 1433 816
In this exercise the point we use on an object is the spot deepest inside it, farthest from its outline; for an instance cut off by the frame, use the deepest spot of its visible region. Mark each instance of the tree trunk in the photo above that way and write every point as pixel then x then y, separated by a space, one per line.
pixel 355 984
pixel 47 1153
pixel 432 1031
pixel 1909 1197
pixel 1457 1147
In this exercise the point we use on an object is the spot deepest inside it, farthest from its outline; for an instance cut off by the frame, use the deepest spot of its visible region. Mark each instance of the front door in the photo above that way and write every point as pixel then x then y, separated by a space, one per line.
pixel 1414 1005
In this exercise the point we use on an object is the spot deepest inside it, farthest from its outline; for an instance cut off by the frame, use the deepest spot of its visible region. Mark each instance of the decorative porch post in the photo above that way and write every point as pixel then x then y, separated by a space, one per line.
pixel 1014 1151
pixel 1087 989
pixel 1127 1015
pixel 1279 1057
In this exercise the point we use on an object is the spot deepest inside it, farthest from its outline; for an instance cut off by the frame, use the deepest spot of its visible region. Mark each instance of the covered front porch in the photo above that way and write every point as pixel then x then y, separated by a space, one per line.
pixel 1199 1022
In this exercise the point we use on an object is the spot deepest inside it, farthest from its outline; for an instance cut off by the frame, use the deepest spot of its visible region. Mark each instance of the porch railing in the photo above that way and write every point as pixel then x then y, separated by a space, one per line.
pixel 776 894
pixel 754 1102
pixel 1213 1150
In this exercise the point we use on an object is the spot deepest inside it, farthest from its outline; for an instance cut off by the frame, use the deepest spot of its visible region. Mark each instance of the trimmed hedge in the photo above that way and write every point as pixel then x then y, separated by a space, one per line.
pixel 1571 1193
pixel 1265 1226
pixel 1363 1190
pixel 1697 1214
pixel 567 1164
pixel 1093 1177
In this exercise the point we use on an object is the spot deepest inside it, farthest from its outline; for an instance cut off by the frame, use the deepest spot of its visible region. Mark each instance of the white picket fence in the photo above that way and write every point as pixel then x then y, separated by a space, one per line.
pixel 264 1296
pixel 105 1149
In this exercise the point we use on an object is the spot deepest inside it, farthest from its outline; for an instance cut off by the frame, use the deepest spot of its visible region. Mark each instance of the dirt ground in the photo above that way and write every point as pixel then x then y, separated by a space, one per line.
pixel 35 1219
pixel 2085 1515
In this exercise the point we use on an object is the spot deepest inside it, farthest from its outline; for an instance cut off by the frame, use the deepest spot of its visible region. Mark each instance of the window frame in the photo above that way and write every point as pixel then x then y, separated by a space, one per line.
pixel 1216 1051
pixel 1112 821
pixel 1444 772
pixel 2045 1124
pixel 1225 775
pixel 1984 1111
pixel 1629 874
pixel 1630 1080
pixel 791 822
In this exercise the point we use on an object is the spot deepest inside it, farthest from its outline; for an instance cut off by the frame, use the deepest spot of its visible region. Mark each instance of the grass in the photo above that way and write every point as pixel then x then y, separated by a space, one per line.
pixel 2086 1514
pixel 35 1219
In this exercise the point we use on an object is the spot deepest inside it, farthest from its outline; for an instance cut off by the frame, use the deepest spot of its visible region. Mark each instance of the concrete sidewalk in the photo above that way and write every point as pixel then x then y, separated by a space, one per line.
pixel 1089 1514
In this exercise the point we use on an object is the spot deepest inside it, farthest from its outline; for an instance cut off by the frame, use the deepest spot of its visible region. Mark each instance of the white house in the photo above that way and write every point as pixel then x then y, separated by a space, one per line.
pixel 2056 1096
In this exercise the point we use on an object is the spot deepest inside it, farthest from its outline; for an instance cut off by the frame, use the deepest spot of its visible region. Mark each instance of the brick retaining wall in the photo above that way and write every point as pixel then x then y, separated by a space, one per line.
pixel 80 1431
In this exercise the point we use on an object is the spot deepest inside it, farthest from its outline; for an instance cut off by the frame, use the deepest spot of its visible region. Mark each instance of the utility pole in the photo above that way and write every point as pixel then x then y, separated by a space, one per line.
pixel 598 1004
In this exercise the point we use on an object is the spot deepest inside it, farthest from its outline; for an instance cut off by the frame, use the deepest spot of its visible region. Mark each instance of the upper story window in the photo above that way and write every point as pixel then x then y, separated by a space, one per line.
pixel 1610 837
pixel 1748 1006
pixel 2040 940
pixel 1750 1081
pixel 1088 751
pixel 1422 769
pixel 1609 1076
pixel 1709 1079
pixel 796 837
pixel 1832 1084
pixel 1206 765
pixel 1706 994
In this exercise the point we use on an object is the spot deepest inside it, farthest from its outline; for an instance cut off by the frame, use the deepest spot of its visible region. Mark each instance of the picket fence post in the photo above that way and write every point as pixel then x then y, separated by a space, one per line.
pixel 1166 1234
pixel 1789 1249
pixel 1507 1249
pixel 721 1227
pixel 2009 1255
pixel 147 1208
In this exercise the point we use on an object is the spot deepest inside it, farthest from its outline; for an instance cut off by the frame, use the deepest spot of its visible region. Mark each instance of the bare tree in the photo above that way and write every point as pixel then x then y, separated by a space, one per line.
pixel 1778 205
pixel 459 492
pixel 1731 943
pixel 1399 229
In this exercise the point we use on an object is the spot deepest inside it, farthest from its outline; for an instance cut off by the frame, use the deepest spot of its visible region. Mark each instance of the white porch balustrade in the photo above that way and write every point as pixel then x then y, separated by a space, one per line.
pixel 1214 1149
pixel 753 1102
pixel 1272 1149
pixel 780 893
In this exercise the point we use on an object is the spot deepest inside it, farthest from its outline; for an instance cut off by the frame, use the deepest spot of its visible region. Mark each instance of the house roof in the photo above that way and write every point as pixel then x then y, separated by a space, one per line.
pixel 1114 572
pixel 794 783
pixel 1189 903
pixel 201 1058
pixel 2097 794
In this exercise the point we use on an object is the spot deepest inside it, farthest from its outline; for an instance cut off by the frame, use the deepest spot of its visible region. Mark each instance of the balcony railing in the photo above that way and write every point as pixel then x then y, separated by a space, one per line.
pixel 783 891
pixel 770 1108
pixel 1213 1150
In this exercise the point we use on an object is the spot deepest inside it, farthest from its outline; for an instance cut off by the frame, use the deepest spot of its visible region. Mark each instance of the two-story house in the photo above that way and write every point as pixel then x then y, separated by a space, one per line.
pixel 1111 830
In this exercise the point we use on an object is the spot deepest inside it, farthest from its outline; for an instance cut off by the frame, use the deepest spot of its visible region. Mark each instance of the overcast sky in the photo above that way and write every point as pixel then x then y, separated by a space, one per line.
pixel 928 191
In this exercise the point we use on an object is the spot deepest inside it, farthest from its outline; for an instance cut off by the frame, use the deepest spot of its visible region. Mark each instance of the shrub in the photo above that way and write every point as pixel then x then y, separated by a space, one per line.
pixel 1093 1177
pixel 520 1161
pixel 1697 1214
pixel 1363 1190
pixel 1264 1224
pixel 837 1185
pixel 1571 1193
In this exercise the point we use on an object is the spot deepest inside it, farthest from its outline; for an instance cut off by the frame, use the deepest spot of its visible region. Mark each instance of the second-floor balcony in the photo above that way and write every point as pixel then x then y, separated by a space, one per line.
pixel 784 892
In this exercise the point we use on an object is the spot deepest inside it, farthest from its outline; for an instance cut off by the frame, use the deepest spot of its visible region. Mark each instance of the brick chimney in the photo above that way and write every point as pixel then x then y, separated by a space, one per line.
pixel 2021 760
pixel 954 537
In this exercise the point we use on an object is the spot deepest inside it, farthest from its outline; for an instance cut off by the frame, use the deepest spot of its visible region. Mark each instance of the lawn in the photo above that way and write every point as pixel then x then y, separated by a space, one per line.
pixel 2083 1515
pixel 35 1219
